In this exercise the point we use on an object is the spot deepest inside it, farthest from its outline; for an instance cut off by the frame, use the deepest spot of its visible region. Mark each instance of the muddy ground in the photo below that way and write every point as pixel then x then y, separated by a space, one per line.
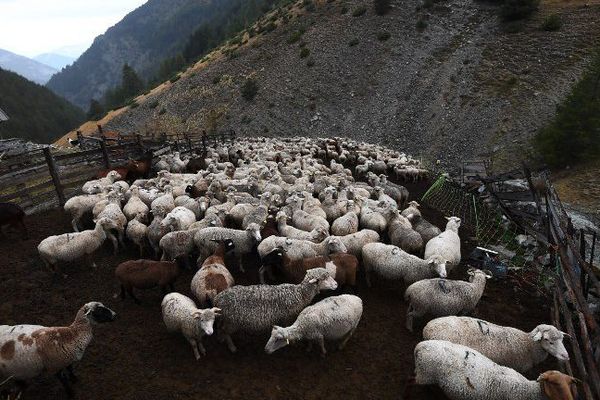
pixel 135 358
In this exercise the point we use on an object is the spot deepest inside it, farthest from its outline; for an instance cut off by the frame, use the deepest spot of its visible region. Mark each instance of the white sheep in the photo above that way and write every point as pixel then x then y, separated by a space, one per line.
pixel 72 246
pixel 347 224
pixel 504 345
pixel 334 318
pixel 113 211
pixel 298 249
pixel 137 232
pixel 391 262
pixel 355 242
pixel 78 206
pixel 440 297
pixel 243 240
pixel 135 206
pixel 316 235
pixel 166 200
pixel 29 351
pixel 465 374
pixel 307 222
pixel 180 314
pixel 446 244
pixel 95 186
pixel 179 219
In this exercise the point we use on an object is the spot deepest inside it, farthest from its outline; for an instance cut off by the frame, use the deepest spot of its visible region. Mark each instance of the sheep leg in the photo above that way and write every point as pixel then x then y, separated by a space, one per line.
pixel 72 376
pixel 321 342
pixel 141 251
pixel 121 234
pixel 130 293
pixel 24 229
pixel 346 338
pixel 261 274
pixel 241 265
pixel 62 377
pixel 201 347
pixel 90 261
pixel 114 241
pixel 230 344
pixel 74 224
pixel 193 343
pixel 368 278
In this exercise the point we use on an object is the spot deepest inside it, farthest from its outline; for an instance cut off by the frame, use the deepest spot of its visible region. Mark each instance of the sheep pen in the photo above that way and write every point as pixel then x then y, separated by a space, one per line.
pixel 136 358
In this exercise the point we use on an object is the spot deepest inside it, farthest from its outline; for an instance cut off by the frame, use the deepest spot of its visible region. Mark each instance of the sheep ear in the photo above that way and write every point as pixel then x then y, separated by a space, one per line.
pixel 537 336
pixel 565 334
pixel 541 378
pixel 575 381
pixel 313 280
pixel 216 310
pixel 196 314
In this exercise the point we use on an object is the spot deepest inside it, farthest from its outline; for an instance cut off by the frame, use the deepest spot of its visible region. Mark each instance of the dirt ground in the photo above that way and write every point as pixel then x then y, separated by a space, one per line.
pixel 135 358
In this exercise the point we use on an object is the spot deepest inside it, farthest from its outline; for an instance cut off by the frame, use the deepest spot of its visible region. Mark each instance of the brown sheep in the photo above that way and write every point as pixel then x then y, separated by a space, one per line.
pixel 213 277
pixel 341 266
pixel 146 274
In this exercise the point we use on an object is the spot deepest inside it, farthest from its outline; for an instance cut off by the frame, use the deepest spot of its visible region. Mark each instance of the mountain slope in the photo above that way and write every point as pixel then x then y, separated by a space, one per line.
pixel 145 37
pixel 31 69
pixel 458 89
pixel 35 112
pixel 54 60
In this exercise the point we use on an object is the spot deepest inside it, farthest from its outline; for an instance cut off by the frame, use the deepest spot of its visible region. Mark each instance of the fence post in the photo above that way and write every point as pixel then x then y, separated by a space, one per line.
pixel 54 174
pixel 189 141
pixel 204 141
pixel 105 153
pixel 139 142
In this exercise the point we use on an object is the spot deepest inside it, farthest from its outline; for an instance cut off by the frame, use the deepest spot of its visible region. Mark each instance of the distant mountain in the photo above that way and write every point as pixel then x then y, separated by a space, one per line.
pixel 35 113
pixel 153 32
pixel 54 60
pixel 33 70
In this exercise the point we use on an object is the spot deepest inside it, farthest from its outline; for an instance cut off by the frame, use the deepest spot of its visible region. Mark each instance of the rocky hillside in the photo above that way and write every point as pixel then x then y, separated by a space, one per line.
pixel 443 80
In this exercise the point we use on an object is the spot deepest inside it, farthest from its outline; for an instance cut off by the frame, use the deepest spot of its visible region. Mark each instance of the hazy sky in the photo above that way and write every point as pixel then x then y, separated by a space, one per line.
pixel 31 27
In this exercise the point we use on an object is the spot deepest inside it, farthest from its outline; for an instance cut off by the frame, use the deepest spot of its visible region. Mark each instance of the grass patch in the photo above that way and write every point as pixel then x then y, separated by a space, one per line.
pixel 310 62
pixel 358 11
pixel 354 42
pixel 153 104
pixel 552 23
pixel 383 36
pixel 304 52
pixel 249 89
pixel 421 24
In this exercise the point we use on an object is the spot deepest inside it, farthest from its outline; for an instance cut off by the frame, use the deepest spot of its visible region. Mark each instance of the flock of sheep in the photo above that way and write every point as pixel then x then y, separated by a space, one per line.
pixel 297 205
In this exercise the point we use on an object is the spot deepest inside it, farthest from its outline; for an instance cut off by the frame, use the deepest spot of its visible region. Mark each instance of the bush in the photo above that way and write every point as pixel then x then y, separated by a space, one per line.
pixel 162 111
pixel 421 24
pixel 381 6
pixel 513 10
pixel 174 78
pixel 304 52
pixel 309 5
pixel 358 11
pixel 249 89
pixel 383 36
pixel 295 36
pixel 552 23
pixel 134 104
pixel 353 42
pixel 153 104
pixel 310 62
pixel 216 79
pixel 573 134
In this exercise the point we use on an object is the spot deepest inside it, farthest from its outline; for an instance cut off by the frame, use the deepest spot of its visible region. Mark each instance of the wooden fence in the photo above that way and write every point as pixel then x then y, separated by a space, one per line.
pixel 45 178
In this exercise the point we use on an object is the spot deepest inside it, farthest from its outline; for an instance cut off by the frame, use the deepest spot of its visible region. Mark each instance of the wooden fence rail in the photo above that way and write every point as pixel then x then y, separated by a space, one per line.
pixel 47 177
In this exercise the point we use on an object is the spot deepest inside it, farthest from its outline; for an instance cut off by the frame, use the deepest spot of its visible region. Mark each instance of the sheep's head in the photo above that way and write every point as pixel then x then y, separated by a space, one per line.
pixel 453 224
pixel 114 175
pixel 414 204
pixel 551 340
pixel 206 318
pixel 319 234
pixel 97 312
pixel 281 217
pixel 279 338
pixel 106 223
pixel 558 386
pixel 438 265
pixel 168 221
pixel 335 245
pixel 472 272
pixel 321 278
pixel 227 244
pixel 253 229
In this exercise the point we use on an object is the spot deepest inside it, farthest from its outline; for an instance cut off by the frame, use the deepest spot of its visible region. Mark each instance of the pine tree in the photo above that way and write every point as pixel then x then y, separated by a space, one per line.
pixel 131 84
pixel 96 110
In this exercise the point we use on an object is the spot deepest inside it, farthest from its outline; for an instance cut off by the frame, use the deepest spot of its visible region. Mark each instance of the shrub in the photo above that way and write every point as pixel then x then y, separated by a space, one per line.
pixel 353 42
pixel 270 27
pixel 174 78
pixel 421 24
pixel 304 52
pixel 309 5
pixel 552 23
pixel 381 6
pixel 344 10
pixel 358 11
pixel 512 10
pixel 295 36
pixel 216 79
pixel 249 89
pixel 310 62
pixel 572 136
pixel 134 104
pixel 383 36
pixel 162 111
pixel 153 104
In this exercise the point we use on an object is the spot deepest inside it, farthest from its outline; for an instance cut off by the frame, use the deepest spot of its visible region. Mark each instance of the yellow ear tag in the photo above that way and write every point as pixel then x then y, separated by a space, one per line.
pixel 288 341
